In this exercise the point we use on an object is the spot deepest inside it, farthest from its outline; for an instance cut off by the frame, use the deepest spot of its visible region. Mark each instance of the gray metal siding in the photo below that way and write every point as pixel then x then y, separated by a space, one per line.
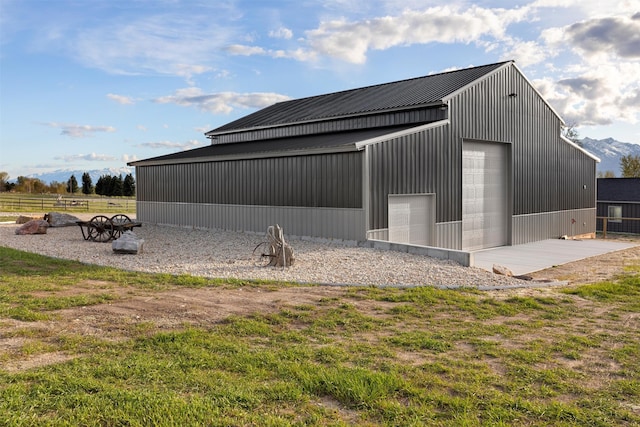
pixel 331 180
pixel 549 174
pixel 417 163
pixel 332 223
pixel 552 225
pixel 425 115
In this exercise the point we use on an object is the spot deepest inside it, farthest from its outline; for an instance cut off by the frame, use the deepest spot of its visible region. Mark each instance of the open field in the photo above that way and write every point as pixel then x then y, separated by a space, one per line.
pixel 89 345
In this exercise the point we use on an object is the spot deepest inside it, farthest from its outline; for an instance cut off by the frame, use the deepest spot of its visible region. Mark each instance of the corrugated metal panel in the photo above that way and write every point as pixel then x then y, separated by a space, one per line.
pixel 422 162
pixel 449 235
pixel 343 224
pixel 419 116
pixel 331 180
pixel 552 225
pixel 549 174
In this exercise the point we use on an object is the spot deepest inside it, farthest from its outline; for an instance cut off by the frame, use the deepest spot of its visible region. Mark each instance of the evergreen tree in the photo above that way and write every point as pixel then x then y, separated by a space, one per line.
pixel 72 185
pixel 129 186
pixel 103 185
pixel 117 186
pixel 87 185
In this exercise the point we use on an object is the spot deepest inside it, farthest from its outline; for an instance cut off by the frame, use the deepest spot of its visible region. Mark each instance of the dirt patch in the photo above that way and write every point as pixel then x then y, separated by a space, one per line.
pixel 180 307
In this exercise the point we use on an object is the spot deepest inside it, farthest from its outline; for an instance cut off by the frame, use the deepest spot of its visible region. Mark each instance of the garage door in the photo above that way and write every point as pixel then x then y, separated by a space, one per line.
pixel 484 195
pixel 412 218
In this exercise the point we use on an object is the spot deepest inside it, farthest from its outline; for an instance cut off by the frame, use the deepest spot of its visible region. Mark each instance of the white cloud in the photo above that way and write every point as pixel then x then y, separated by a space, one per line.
pixel 129 158
pixel 351 41
pixel 598 94
pixel 121 99
pixel 91 157
pixel 221 102
pixel 142 128
pixel 619 36
pixel 281 33
pixel 169 144
pixel 243 50
pixel 79 131
pixel 600 84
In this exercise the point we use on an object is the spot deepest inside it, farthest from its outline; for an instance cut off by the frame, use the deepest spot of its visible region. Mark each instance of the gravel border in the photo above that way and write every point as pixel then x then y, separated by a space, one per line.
pixel 227 254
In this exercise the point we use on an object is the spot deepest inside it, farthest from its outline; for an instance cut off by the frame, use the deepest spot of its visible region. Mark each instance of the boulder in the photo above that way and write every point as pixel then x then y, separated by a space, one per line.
pixel 128 243
pixel 502 270
pixel 35 226
pixel 58 219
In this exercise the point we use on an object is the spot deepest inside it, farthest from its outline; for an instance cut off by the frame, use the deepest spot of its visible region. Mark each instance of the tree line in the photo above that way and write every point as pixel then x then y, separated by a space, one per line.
pixel 107 185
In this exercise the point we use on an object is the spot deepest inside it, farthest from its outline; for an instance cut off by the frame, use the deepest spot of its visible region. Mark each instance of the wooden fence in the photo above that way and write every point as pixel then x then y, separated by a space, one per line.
pixel 606 219
pixel 11 203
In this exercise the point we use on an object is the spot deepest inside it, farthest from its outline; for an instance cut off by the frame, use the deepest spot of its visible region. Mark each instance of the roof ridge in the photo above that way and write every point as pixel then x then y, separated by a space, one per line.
pixel 395 82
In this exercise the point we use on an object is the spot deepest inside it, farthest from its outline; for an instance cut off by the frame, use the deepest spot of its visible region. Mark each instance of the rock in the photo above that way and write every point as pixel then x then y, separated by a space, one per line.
pixel 502 270
pixel 58 219
pixel 23 219
pixel 35 226
pixel 128 243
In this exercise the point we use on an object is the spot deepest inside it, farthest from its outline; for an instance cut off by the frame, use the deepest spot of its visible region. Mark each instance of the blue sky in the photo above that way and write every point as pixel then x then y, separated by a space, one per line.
pixel 90 84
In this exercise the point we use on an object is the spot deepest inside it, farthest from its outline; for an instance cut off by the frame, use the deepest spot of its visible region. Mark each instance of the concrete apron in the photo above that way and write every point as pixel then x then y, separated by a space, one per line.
pixel 536 256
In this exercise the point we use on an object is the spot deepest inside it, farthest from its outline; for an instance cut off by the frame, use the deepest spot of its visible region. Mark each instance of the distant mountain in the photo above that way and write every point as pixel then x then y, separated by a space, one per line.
pixel 610 151
pixel 63 175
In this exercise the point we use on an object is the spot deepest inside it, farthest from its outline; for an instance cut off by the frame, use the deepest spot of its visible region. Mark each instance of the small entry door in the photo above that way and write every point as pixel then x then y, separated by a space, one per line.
pixel 485 187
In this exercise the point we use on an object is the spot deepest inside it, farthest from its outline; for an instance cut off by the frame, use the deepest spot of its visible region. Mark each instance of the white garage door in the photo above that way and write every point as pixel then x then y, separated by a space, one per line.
pixel 484 195
pixel 412 218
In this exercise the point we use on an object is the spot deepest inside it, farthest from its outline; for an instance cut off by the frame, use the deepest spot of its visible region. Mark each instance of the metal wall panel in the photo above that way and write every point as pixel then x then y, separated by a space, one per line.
pixel 552 225
pixel 418 116
pixel 548 173
pixel 449 235
pixel 330 180
pixel 333 223
pixel 421 162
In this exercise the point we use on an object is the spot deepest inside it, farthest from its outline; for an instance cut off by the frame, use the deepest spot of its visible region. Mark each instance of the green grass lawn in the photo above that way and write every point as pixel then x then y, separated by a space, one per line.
pixel 364 356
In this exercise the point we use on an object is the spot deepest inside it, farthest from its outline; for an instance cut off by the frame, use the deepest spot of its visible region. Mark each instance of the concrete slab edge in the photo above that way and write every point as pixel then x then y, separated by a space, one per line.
pixel 461 257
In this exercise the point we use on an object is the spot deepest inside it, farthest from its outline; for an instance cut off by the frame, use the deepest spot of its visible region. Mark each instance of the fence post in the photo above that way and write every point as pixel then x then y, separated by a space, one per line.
pixel 604 227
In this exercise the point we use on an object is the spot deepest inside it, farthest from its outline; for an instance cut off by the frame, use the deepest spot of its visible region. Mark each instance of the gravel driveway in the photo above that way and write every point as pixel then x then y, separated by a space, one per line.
pixel 225 254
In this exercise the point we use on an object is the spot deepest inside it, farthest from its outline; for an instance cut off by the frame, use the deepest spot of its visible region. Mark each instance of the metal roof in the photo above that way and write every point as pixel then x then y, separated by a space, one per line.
pixel 619 189
pixel 404 94
pixel 297 145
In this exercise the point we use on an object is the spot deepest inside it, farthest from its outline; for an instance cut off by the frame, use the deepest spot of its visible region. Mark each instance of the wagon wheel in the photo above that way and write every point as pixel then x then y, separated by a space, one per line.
pixel 261 254
pixel 118 221
pixel 100 229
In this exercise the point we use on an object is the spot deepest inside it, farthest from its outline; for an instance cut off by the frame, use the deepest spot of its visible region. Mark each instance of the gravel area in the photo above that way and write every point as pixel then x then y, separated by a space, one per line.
pixel 225 254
